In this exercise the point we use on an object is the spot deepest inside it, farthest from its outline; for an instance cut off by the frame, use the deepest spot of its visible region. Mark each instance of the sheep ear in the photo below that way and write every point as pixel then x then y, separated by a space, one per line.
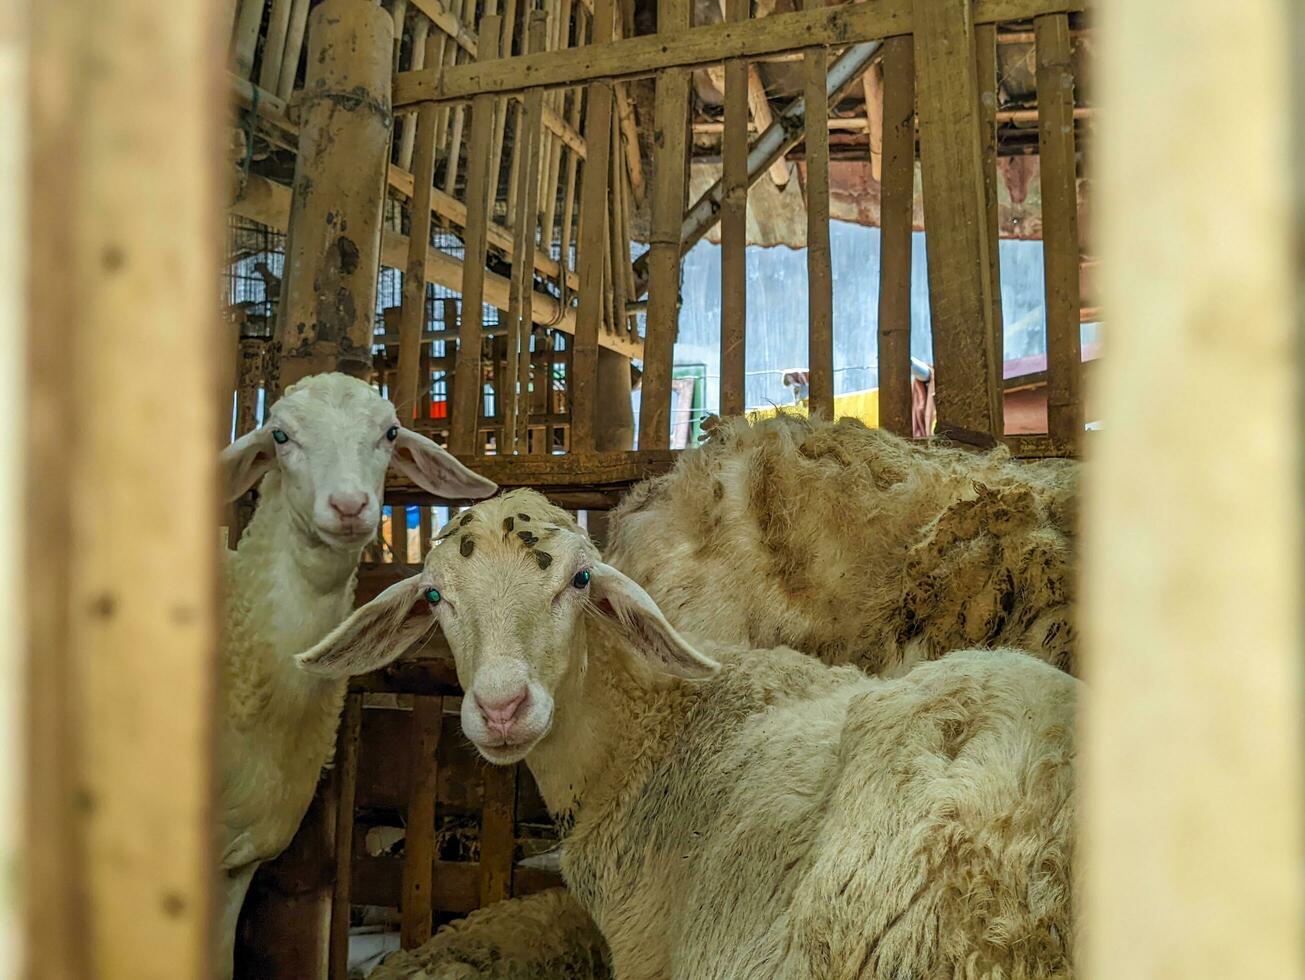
pixel 244 462
pixel 622 602
pixel 436 470
pixel 376 634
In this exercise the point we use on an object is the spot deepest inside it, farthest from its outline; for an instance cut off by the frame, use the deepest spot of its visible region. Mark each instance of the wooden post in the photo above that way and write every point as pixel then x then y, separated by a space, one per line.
pixel 1192 725
pixel 498 833
pixel 591 247
pixel 820 284
pixel 670 134
pixel 117 540
pixel 955 211
pixel 328 291
pixel 1055 80
pixel 419 842
pixel 872 90
pixel 897 195
pixel 344 786
pixel 412 317
pixel 734 230
pixel 467 397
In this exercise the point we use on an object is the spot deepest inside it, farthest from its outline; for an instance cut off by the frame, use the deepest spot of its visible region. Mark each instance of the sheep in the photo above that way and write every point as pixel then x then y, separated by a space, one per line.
pixel 321 458
pixel 855 546
pixel 752 813
pixel 545 936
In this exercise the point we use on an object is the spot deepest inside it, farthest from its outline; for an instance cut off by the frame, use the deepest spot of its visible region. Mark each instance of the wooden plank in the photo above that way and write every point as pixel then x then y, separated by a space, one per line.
pixel 497 833
pixel 820 283
pixel 670 170
pixel 896 223
pixel 116 864
pixel 955 211
pixel 1055 83
pixel 419 844
pixel 449 23
pixel 399 534
pixel 467 395
pixel 412 315
pixel 572 471
pixel 591 247
pixel 734 229
pixel 1192 793
pixel 872 89
pixel 344 777
pixel 985 45
pixel 686 47
pixel 456 887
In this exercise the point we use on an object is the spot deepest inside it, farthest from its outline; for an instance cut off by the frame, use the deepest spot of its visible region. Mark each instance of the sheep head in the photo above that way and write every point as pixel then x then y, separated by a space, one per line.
pixel 511 582
pixel 330 439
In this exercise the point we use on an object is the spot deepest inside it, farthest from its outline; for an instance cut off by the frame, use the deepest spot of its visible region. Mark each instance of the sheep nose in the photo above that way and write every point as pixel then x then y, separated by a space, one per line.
pixel 499 715
pixel 348 504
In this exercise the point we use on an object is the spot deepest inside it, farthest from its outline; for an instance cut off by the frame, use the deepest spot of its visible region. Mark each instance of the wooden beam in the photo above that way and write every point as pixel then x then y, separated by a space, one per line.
pixel 333 243
pixel 466 390
pixel 412 316
pixel 591 247
pixel 344 779
pixel 498 833
pixel 112 548
pixel 1192 768
pixel 896 224
pixel 419 844
pixel 820 283
pixel 734 230
pixel 686 47
pixel 960 285
pixel 570 471
pixel 448 22
pixel 1059 170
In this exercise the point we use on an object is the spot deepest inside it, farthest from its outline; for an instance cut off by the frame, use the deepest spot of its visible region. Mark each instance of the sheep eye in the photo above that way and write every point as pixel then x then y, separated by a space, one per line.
pixel 581 579
pixel 279 437
pixel 433 596
pixel 392 433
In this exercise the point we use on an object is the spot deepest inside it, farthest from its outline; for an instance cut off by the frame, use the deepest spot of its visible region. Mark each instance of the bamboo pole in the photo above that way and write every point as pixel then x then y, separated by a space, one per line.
pixel 344 780
pixel 294 47
pixel 423 46
pixel 896 223
pixel 734 230
pixel 419 843
pixel 502 108
pixel 592 248
pixel 669 173
pixel 278 26
pixel 453 157
pixel 333 245
pixel 118 592
pixel 872 88
pixel 1192 721
pixel 467 398
pixel 985 47
pixel 498 833
pixel 412 316
pixel 244 41
pixel 820 285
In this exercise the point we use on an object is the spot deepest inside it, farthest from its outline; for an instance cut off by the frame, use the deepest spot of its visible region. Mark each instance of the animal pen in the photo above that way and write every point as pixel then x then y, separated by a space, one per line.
pixel 503 158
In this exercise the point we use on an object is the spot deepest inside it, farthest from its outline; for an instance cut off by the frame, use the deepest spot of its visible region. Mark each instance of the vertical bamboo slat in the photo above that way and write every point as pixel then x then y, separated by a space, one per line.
pixel 424 47
pixel 412 316
pixel 118 537
pixel 872 90
pixel 820 284
pixel 344 779
pixel 1191 755
pixel 278 26
pixel 466 406
pixel 896 223
pixel 592 248
pixel 419 840
pixel 734 229
pixel 498 833
pixel 955 210
pixel 244 42
pixel 669 171
pixel 1055 82
pixel 985 47
pixel 294 47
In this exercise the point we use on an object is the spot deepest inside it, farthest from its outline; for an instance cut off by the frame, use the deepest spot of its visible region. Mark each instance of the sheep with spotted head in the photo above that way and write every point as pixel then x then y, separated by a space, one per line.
pixel 856 546
pixel 319 462
pixel 738 812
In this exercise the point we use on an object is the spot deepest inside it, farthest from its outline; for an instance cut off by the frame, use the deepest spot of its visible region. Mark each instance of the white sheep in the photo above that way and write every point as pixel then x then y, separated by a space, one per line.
pixel 322 457
pixel 758 814
pixel 545 936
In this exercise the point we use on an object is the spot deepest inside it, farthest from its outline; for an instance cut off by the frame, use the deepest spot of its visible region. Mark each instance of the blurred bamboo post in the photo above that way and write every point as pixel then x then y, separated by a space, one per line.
pixel 1192 616
pixel 120 570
